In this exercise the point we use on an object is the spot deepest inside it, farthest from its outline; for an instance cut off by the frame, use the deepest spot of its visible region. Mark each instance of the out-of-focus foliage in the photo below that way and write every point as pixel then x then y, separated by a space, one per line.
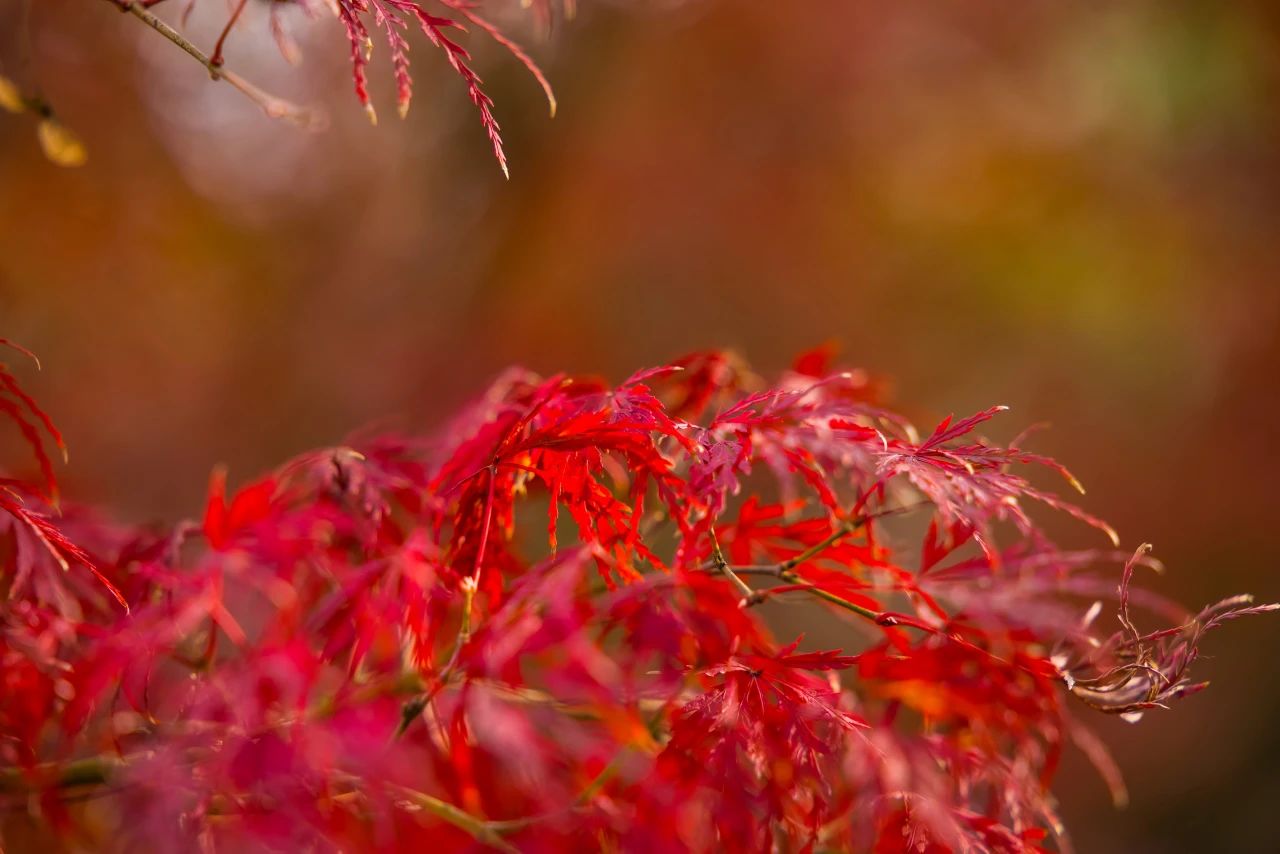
pixel 366 651
pixel 57 141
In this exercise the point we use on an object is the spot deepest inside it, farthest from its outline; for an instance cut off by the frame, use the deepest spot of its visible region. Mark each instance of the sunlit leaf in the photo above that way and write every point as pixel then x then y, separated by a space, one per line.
pixel 11 96
pixel 59 144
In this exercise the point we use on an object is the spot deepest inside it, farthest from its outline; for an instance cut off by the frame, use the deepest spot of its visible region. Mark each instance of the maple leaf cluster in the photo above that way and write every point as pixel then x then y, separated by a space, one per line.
pixel 543 629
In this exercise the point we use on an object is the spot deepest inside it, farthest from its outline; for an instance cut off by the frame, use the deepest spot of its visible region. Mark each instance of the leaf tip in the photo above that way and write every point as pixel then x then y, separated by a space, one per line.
pixel 60 145
pixel 11 98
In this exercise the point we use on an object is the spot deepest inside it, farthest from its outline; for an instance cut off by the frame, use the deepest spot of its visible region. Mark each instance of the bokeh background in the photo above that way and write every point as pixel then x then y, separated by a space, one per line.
pixel 1068 207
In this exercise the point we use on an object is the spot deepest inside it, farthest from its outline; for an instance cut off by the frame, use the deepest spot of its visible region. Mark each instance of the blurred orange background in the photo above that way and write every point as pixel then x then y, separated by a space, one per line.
pixel 1071 208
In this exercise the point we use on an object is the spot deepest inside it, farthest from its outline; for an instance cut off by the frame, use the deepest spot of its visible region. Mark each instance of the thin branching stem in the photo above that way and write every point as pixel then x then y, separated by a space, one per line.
pixel 717 557
pixel 477 828
pixel 842 530
pixel 216 58
pixel 784 570
pixel 272 105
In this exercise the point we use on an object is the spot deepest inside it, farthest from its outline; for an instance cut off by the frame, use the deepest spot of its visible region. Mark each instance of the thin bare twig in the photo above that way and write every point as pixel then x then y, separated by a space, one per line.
pixel 784 570
pixel 273 106
pixel 722 565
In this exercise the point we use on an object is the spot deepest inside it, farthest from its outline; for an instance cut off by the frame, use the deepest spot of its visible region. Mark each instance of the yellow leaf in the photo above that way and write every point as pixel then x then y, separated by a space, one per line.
pixel 11 97
pixel 61 145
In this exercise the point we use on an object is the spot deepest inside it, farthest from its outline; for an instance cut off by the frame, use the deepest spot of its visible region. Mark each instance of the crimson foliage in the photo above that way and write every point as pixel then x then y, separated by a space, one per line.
pixel 542 630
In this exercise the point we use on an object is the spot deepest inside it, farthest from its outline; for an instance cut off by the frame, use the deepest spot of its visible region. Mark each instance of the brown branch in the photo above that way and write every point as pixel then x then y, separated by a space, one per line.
pixel 809 587
pixel 273 106
pixel 784 570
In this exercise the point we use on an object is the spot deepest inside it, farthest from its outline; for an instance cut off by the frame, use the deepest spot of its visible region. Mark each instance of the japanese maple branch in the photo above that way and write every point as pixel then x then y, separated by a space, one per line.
pixel 272 105
pixel 722 566
pixel 477 828
pixel 842 530
pixel 491 832
pixel 784 570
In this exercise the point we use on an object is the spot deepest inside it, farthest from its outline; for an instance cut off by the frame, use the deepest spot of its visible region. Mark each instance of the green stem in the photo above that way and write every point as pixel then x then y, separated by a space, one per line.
pixel 784 570
pixel 842 530
pixel 717 557
pixel 479 829
pixel 792 578
pixel 94 771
